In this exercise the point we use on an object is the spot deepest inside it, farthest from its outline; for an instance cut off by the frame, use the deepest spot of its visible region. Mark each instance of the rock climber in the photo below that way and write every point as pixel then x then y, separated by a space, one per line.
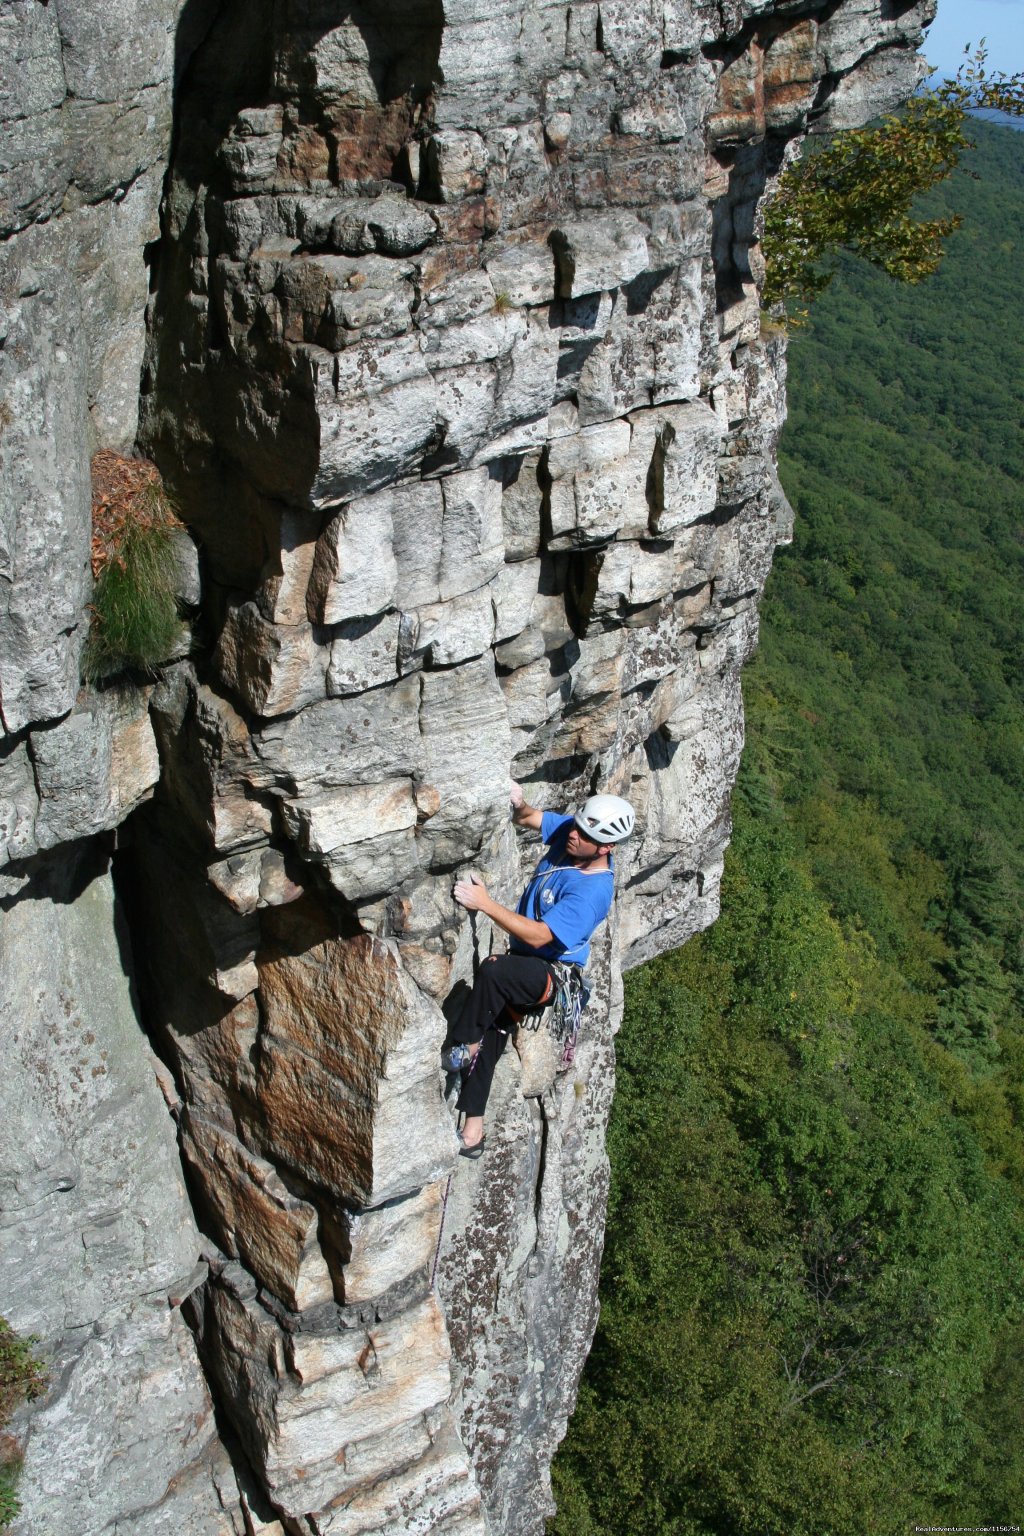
pixel 569 894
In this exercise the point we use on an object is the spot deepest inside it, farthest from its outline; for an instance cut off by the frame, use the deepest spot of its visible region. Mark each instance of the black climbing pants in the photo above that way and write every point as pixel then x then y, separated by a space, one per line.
pixel 503 981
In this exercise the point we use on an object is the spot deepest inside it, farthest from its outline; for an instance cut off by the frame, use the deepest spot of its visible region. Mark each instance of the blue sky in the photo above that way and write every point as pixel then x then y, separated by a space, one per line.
pixel 958 22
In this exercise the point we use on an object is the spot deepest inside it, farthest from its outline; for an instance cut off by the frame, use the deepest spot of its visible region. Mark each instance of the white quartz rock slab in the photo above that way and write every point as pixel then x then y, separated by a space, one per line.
pixel 597 253
pixel 19 802
pixel 389 1242
pixel 472 546
pixel 274 668
pixel 417 515
pixel 92 768
pixel 354 570
pixel 377 410
pixel 351 815
pixel 360 740
pixel 437 1492
pixel 524 274
pixel 598 487
pixel 465 737
pixel 513 591
pixel 323 1414
pixel 364 653
pixel 684 442
pixel 457 630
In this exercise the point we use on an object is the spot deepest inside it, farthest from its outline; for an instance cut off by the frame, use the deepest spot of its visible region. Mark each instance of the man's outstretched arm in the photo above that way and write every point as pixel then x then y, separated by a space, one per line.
pixel 522 814
pixel 473 895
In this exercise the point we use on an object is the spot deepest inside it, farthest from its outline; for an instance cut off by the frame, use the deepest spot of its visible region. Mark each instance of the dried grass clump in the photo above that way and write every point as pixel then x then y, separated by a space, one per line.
pixel 135 623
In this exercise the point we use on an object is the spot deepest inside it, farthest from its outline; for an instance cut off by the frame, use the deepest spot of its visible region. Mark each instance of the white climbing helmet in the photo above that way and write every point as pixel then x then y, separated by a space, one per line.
pixel 606 819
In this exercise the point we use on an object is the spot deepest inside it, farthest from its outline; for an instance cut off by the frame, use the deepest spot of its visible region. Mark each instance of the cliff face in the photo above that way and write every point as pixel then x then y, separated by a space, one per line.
pixel 452 359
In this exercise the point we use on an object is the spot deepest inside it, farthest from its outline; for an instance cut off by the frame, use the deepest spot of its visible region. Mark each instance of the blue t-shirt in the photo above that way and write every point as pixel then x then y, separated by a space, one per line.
pixel 570 902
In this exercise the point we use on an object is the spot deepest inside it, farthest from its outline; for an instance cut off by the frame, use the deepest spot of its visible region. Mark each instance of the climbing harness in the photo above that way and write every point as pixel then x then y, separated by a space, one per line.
pixel 565 1008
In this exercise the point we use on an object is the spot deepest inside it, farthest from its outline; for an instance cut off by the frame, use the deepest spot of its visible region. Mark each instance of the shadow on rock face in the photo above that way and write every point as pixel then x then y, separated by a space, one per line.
pixel 350 82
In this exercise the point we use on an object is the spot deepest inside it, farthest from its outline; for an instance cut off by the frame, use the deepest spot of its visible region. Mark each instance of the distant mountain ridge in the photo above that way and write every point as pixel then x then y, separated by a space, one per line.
pixel 1000 120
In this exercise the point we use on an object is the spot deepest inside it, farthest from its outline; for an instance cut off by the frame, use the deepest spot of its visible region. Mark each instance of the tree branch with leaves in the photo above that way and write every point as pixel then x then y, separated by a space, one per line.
pixel 857 192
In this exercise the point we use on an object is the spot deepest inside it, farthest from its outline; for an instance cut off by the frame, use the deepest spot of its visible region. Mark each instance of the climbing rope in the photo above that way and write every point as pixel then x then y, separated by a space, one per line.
pixel 448 1184
pixel 440 1230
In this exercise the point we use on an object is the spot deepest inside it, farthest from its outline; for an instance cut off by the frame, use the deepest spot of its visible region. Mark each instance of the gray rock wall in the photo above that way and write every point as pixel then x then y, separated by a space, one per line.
pixel 85 107
pixel 453 361
pixel 99 1243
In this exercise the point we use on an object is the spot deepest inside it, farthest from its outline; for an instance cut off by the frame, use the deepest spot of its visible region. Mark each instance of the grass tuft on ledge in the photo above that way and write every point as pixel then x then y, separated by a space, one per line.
pixel 21 1379
pixel 134 615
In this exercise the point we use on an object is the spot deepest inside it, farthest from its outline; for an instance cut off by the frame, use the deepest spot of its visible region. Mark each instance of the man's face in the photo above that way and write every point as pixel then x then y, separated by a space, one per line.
pixel 579 847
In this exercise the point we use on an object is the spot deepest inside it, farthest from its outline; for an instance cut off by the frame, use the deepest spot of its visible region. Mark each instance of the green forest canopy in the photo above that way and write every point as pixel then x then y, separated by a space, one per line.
pixel 811 1293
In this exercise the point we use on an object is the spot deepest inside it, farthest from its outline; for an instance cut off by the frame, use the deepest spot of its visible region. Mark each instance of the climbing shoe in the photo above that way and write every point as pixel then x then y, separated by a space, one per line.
pixel 456 1058
pixel 476 1150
